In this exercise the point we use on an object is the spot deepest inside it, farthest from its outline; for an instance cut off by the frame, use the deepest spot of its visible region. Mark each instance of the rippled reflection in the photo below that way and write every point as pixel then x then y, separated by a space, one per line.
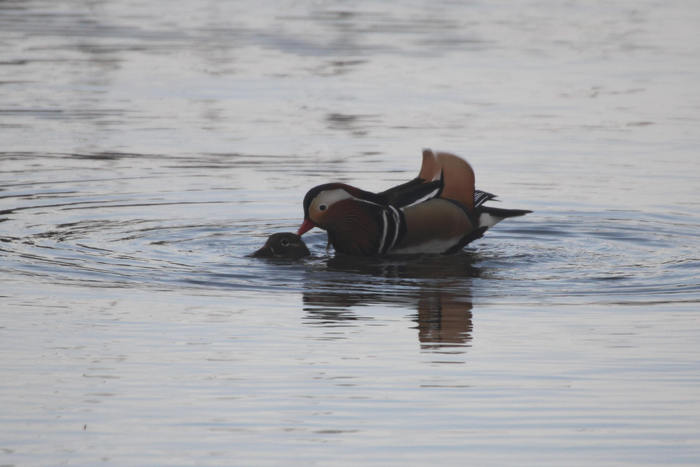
pixel 438 288
pixel 444 321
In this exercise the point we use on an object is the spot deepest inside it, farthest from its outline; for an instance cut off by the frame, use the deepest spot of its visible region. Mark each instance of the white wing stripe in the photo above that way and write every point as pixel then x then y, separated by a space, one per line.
pixel 424 198
pixel 384 227
pixel 397 226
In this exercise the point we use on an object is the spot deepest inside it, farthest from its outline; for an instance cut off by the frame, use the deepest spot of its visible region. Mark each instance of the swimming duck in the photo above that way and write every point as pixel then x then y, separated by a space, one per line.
pixel 283 245
pixel 439 211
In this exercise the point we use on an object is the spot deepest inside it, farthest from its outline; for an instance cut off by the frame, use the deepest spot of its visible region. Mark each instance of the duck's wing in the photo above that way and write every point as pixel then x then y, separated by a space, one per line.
pixel 442 175
pixel 411 192
pixel 456 174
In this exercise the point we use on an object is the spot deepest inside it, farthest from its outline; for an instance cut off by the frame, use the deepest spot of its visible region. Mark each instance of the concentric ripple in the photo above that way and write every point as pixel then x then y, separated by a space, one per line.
pixel 105 232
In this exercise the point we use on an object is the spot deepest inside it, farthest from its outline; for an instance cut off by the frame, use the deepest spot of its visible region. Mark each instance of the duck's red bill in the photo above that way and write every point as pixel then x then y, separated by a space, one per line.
pixel 305 227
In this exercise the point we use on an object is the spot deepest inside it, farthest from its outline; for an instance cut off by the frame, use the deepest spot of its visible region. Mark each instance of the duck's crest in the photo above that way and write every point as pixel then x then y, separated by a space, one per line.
pixel 354 191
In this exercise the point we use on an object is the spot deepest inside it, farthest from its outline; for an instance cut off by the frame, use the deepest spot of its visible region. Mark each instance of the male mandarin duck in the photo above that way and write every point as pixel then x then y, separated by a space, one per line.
pixel 437 212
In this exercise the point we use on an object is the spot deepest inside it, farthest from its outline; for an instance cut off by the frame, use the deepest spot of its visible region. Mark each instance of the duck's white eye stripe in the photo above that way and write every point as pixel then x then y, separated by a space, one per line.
pixel 328 197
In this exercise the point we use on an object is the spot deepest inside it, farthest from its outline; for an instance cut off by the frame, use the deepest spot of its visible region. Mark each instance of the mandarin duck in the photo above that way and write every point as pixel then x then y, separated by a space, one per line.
pixel 283 245
pixel 439 211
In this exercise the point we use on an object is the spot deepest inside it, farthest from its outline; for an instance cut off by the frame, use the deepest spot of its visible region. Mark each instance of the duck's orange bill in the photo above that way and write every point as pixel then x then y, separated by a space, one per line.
pixel 305 227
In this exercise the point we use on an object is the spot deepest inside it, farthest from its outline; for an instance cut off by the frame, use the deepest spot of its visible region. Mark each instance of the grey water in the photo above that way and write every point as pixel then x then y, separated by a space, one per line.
pixel 146 148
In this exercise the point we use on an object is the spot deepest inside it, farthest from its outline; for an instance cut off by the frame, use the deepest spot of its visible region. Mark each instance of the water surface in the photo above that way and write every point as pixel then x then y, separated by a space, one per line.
pixel 147 148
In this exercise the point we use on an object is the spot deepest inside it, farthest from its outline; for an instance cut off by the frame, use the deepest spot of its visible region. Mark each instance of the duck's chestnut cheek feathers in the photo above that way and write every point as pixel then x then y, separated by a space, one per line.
pixel 318 207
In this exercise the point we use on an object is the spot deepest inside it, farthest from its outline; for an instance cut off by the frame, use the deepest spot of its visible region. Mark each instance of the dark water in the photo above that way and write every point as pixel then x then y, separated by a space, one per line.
pixel 148 147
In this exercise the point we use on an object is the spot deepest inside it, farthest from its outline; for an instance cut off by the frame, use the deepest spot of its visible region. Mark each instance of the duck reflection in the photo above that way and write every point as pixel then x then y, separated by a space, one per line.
pixel 444 321
pixel 437 287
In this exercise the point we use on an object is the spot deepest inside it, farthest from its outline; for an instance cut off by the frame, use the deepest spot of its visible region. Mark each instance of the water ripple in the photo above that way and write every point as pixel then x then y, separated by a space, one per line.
pixel 547 257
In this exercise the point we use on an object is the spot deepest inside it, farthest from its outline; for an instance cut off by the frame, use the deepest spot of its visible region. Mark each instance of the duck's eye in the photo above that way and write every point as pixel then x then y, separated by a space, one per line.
pixel 322 207
pixel 285 242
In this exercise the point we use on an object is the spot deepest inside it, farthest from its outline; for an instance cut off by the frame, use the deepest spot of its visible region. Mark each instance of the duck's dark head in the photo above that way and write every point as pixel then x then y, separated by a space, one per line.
pixel 322 204
pixel 283 245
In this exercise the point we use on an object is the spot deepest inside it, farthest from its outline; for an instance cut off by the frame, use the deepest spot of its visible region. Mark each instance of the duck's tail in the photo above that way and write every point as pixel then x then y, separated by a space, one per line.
pixel 488 216
pixel 457 176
